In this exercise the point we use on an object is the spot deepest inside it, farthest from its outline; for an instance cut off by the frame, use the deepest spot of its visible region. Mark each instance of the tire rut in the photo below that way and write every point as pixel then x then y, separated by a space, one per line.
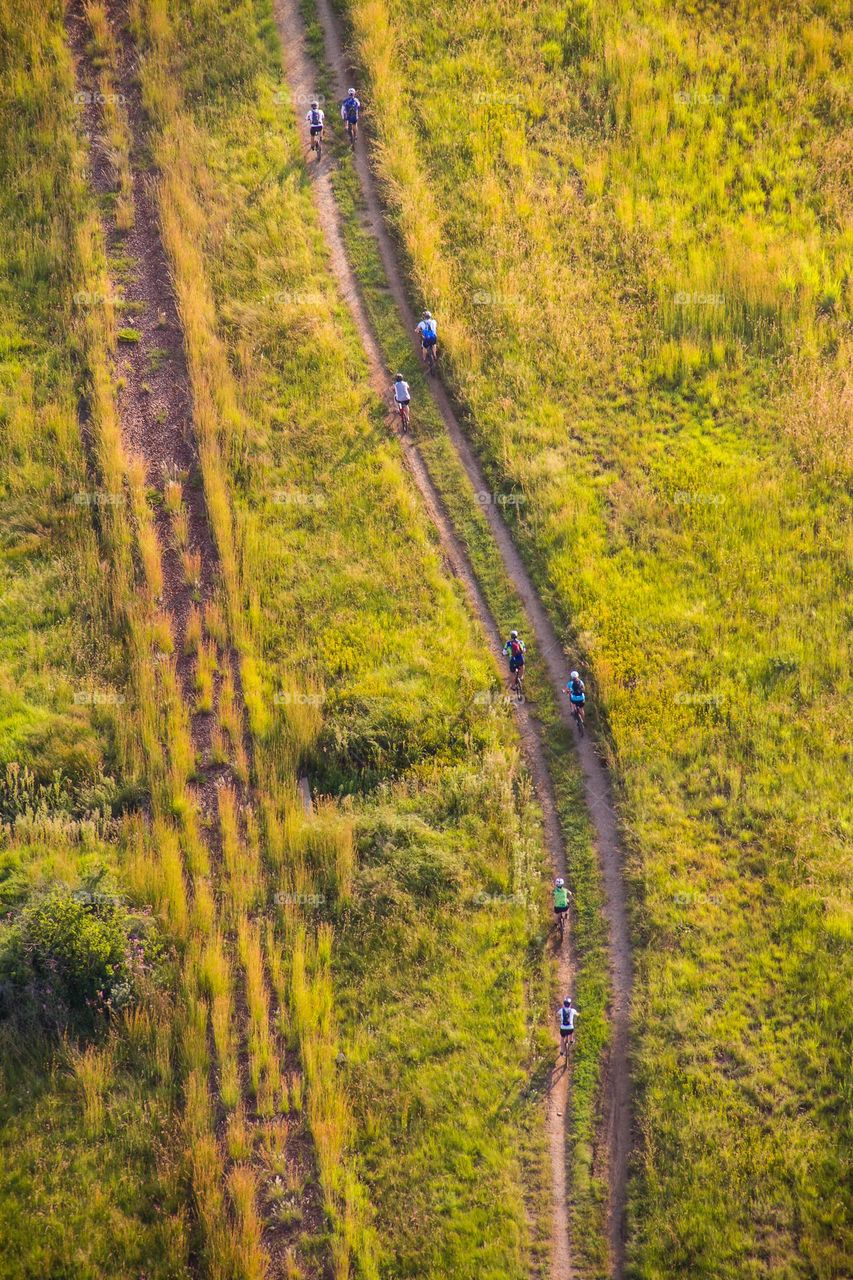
pixel 155 411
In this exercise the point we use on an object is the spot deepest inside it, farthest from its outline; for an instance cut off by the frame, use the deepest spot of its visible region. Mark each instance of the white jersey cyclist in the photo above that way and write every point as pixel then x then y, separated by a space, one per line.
pixel 315 119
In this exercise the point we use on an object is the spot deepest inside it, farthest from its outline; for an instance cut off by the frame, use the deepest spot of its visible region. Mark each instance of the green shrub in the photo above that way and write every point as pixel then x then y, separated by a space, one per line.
pixel 69 956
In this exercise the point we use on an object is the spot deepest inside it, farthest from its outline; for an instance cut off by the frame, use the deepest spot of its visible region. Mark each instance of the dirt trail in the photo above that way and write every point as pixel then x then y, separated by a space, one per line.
pixel 155 406
pixel 302 77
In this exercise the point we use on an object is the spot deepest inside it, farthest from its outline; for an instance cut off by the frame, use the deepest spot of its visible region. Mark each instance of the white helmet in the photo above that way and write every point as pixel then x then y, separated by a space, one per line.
pixel 513 635
pixel 560 882
pixel 567 1002
pixel 427 315
pixel 574 676
pixel 351 92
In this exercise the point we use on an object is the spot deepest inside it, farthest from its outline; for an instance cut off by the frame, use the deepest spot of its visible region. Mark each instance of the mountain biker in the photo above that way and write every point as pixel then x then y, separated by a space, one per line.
pixel 515 649
pixel 567 1015
pixel 316 119
pixel 561 897
pixel 403 398
pixel 429 335
pixel 350 107
pixel 577 693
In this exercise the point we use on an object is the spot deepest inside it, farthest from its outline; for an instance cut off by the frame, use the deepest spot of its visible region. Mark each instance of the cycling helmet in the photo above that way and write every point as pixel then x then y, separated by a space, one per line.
pixel 427 315
pixel 567 1002
pixel 314 106
pixel 351 92
pixel 560 882
pixel 574 676
pixel 398 377
pixel 513 635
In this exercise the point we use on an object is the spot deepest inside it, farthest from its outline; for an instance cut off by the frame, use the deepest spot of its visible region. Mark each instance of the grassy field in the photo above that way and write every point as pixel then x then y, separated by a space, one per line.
pixel 86 1128
pixel 632 225
pixel 424 854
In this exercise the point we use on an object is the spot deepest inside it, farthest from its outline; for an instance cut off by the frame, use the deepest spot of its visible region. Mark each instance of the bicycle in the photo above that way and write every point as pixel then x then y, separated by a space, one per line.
pixel 518 684
pixel 403 409
pixel 352 131
pixel 431 357
pixel 317 145
pixel 561 924
pixel 578 716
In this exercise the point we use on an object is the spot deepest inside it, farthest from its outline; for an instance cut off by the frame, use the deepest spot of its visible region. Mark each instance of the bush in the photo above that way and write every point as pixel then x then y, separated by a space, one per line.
pixel 70 956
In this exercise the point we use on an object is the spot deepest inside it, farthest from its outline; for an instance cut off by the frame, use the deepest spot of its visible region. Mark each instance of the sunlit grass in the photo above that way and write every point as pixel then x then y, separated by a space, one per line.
pixel 637 251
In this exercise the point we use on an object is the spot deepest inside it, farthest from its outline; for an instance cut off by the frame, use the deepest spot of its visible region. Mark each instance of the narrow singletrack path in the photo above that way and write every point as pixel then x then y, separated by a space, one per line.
pixel 302 76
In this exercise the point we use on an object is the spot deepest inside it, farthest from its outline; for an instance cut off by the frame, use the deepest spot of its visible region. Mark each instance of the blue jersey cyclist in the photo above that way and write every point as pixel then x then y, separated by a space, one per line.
pixel 350 109
pixel 429 335
pixel 577 694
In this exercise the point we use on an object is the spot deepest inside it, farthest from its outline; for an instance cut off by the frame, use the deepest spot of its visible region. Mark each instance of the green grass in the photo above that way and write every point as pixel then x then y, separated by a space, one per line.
pixel 591 987
pixel 638 255
pixel 363 668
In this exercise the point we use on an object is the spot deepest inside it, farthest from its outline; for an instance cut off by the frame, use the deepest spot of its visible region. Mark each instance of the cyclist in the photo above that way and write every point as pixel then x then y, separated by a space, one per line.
pixel 429 336
pixel 403 398
pixel 577 694
pixel 316 119
pixel 561 897
pixel 514 649
pixel 567 1015
pixel 350 107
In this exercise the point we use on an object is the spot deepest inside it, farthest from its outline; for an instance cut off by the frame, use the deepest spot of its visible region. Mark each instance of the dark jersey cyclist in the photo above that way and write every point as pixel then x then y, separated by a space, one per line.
pixel 515 649
pixel 567 1015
